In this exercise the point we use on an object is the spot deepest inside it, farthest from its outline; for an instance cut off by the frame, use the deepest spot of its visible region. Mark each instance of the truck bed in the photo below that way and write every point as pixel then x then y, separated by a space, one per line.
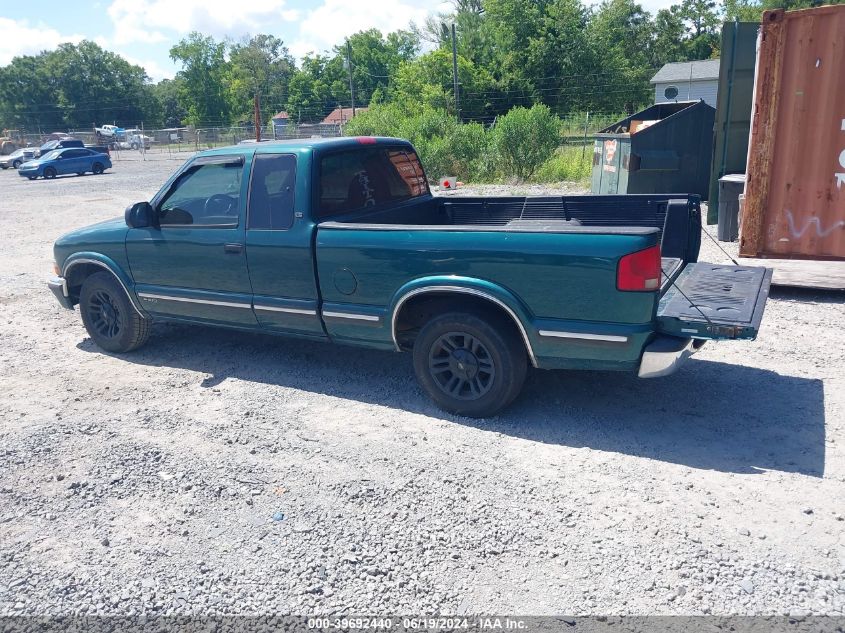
pixel 677 225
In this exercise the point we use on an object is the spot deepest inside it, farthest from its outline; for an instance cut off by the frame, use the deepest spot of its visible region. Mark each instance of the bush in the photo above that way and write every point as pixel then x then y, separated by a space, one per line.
pixel 570 162
pixel 525 139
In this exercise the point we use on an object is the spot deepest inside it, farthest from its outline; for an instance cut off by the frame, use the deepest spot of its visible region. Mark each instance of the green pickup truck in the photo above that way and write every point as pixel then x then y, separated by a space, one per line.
pixel 341 240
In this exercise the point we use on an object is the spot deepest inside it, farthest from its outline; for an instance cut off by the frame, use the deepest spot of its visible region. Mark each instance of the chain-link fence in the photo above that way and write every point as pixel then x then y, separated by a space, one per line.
pixel 178 142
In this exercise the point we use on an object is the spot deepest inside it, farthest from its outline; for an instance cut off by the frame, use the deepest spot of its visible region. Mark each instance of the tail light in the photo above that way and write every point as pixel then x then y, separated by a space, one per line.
pixel 640 271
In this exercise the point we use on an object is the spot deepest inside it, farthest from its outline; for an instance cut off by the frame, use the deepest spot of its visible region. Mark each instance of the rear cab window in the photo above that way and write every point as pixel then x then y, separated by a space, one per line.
pixel 363 177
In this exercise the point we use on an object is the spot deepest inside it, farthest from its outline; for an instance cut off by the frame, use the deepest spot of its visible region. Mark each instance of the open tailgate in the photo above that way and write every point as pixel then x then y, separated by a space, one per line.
pixel 712 301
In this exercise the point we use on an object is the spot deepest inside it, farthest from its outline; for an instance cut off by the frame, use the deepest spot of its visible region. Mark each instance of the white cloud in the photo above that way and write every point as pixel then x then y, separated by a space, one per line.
pixel 20 38
pixel 331 22
pixel 144 20
pixel 156 71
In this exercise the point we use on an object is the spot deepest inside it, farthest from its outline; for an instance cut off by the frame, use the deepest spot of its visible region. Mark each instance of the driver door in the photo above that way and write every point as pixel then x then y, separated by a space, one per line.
pixel 193 264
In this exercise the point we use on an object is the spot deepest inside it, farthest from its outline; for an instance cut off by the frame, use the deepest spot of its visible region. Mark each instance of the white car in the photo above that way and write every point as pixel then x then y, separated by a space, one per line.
pixel 135 139
pixel 18 157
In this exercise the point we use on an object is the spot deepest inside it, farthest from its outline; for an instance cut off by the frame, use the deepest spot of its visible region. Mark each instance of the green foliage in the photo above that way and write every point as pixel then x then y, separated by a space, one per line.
pixel 167 93
pixel 569 163
pixel 445 147
pixel 517 146
pixel 202 90
pixel 263 65
pixel 322 84
pixel 525 138
pixel 74 86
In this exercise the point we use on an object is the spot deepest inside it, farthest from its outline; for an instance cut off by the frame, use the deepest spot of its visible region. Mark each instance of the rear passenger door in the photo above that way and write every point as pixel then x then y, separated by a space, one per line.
pixel 278 247
pixel 76 160
pixel 69 162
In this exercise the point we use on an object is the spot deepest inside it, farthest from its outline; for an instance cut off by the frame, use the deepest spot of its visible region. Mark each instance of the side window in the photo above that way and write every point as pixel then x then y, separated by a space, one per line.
pixel 271 192
pixel 203 195
pixel 366 177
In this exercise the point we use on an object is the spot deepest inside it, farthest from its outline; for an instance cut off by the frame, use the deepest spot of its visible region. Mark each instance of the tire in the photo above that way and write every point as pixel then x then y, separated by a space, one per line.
pixel 134 146
pixel 98 168
pixel 109 317
pixel 32 177
pixel 49 173
pixel 17 164
pixel 470 364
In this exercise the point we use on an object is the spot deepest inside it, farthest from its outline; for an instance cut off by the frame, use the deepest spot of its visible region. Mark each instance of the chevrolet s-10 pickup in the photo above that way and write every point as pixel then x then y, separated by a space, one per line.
pixel 341 240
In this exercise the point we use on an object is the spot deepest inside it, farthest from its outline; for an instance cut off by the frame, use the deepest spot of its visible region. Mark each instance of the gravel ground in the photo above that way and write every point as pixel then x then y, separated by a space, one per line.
pixel 220 472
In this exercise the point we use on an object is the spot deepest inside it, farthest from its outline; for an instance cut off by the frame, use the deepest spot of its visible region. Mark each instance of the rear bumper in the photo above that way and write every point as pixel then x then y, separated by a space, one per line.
pixel 59 287
pixel 665 354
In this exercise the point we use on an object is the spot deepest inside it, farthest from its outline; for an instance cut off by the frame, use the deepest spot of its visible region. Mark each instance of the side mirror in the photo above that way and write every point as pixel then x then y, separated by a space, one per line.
pixel 139 215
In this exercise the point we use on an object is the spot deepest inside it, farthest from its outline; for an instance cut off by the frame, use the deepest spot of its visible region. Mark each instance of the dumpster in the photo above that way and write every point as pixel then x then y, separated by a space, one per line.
pixel 733 106
pixel 731 187
pixel 665 148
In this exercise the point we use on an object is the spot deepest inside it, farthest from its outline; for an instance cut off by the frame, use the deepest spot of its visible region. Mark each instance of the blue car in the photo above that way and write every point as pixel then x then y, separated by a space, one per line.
pixel 72 160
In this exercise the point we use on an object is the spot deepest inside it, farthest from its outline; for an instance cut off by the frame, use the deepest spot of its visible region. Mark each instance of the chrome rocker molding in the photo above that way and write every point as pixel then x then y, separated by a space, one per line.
pixel 350 315
pixel 664 355
pixel 96 262
pixel 466 291
pixel 288 310
pixel 228 304
pixel 612 338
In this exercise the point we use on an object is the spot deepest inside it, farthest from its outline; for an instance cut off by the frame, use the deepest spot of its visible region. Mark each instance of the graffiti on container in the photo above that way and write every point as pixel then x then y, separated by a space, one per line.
pixel 820 232
pixel 840 177
pixel 609 154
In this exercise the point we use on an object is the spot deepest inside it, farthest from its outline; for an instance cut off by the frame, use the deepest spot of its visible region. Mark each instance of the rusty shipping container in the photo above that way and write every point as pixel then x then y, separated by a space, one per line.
pixel 795 191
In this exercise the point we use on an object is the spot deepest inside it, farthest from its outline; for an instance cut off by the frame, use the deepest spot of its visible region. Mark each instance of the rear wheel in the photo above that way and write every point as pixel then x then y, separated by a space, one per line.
pixel 108 315
pixel 49 173
pixel 98 168
pixel 470 364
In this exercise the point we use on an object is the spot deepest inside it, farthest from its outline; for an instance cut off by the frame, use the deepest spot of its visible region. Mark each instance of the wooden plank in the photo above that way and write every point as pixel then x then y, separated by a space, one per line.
pixel 802 273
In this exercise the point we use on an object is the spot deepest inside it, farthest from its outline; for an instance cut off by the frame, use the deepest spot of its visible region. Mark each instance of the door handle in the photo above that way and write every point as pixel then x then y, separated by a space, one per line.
pixel 234 249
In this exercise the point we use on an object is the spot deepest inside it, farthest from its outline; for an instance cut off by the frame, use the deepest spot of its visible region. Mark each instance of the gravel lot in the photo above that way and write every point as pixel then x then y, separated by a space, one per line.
pixel 149 483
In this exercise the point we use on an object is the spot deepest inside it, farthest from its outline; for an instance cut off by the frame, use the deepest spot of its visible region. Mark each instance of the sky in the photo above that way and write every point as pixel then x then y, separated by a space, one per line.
pixel 142 31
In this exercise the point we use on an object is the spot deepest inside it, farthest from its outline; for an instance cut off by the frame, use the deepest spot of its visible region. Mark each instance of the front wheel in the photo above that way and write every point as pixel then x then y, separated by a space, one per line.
pixel 49 173
pixel 470 364
pixel 98 168
pixel 109 317
pixel 17 164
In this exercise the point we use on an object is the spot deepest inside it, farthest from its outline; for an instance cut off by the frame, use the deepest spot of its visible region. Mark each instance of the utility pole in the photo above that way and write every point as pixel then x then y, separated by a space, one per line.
pixel 349 66
pixel 257 104
pixel 455 73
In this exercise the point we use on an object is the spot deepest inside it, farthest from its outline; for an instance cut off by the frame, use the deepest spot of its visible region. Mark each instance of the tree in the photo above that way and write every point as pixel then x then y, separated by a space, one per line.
pixel 427 81
pixel 668 44
pixel 202 90
pixel 322 84
pixel 703 23
pixel 619 35
pixel 167 94
pixel 261 64
pixel 75 86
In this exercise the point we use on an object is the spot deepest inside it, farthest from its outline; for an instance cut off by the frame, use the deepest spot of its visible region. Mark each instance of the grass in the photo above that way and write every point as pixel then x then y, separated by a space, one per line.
pixel 571 163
